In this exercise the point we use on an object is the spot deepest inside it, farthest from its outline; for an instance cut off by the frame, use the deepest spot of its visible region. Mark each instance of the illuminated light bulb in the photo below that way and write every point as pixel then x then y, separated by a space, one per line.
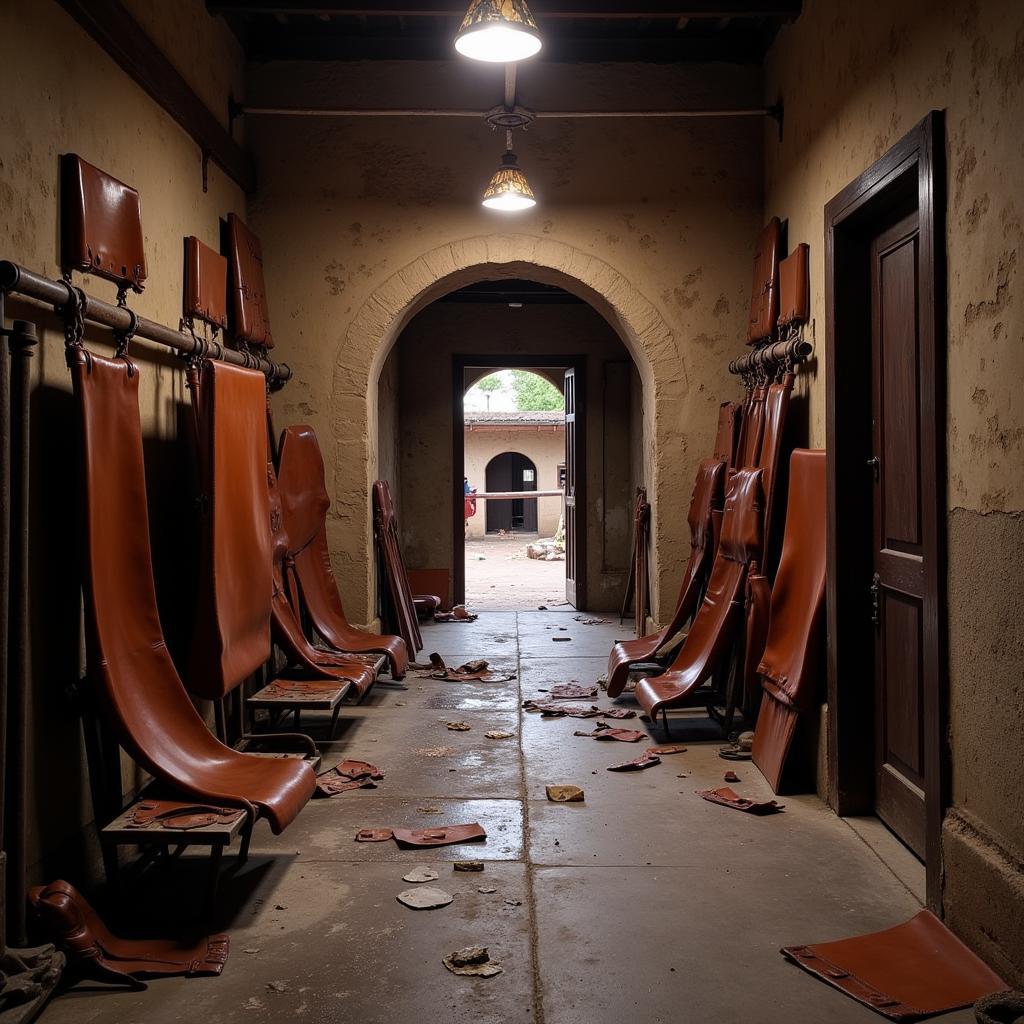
pixel 509 190
pixel 498 31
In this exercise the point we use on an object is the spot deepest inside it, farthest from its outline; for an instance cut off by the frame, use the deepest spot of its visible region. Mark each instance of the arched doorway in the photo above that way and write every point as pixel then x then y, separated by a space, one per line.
pixel 511 471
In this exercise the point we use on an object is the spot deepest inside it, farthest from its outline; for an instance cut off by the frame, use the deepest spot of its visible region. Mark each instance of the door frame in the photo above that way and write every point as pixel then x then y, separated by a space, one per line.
pixel 913 169
pixel 460 363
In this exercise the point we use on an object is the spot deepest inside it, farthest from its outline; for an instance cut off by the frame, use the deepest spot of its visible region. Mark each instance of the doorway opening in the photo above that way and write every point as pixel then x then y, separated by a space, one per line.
pixel 514 444
pixel 593 459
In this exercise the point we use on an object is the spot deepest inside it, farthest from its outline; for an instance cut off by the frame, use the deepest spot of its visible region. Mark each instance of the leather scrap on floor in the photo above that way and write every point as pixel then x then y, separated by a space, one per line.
pixel 445 835
pixel 425 897
pixel 645 760
pixel 623 735
pixel 573 691
pixel 348 775
pixel 63 914
pixel 912 971
pixel 457 614
pixel 471 671
pixel 552 709
pixel 728 797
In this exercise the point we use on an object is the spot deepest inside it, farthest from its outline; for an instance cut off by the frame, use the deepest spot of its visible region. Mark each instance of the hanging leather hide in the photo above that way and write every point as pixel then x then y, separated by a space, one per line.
pixel 251 319
pixel 206 284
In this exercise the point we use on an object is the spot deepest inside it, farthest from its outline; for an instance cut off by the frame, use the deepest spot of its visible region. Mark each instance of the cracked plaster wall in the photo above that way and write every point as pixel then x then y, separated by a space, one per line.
pixel 854 78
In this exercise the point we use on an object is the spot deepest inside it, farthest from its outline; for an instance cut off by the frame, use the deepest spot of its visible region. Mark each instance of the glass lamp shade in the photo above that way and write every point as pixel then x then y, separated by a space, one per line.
pixel 508 189
pixel 499 31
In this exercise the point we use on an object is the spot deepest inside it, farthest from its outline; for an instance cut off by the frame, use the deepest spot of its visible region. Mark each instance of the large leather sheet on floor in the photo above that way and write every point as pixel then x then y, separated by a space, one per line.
pixel 789 663
pixel 305 503
pixel 134 680
pixel 906 973
pixel 231 639
pixel 714 626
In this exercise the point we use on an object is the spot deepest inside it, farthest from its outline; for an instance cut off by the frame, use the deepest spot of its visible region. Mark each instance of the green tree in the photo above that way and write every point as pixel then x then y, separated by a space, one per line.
pixel 492 382
pixel 534 393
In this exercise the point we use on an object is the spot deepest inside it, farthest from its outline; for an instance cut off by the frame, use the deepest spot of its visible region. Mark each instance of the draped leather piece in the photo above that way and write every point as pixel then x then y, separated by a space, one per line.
pixel 305 503
pixel 707 495
pixel 727 434
pixel 285 624
pixel 749 453
pixel 791 654
pixel 133 678
pixel 720 614
pixel 764 298
pixel 915 970
pixel 65 916
pixel 399 606
pixel 444 836
pixel 100 224
pixel 728 797
pixel 178 814
pixel 251 322
pixel 206 284
pixel 231 638
pixel 795 288
pixel 776 406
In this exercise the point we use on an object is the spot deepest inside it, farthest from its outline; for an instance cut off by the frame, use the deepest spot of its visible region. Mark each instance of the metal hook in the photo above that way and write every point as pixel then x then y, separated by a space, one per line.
pixel 124 338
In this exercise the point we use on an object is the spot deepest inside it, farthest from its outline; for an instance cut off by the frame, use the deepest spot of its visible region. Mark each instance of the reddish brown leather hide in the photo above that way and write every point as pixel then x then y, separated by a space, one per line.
pixel 135 682
pixel 728 432
pixel 776 406
pixel 764 298
pixel 794 287
pixel 790 659
pixel 65 916
pixel 914 970
pixel 720 613
pixel 206 284
pixel 305 503
pixel 752 431
pixel 231 639
pixel 728 797
pixel 389 551
pixel 285 625
pixel 707 496
pixel 446 835
pixel 101 224
pixel 178 814
pixel 248 292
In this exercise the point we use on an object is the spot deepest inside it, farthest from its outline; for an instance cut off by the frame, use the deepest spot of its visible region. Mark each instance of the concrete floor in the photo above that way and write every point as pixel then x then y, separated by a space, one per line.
pixel 643 903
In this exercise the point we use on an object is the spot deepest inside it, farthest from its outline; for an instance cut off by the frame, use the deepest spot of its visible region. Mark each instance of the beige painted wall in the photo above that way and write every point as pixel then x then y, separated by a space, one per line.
pixel 365 222
pixel 543 446
pixel 61 93
pixel 854 78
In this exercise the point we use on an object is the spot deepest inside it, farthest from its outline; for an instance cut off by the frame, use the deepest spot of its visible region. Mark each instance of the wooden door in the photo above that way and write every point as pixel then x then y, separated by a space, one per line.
pixel 572 570
pixel 498 477
pixel 904 692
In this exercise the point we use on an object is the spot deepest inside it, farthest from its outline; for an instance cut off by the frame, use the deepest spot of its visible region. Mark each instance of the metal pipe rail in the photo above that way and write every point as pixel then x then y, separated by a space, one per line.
pixel 773 112
pixel 514 495
pixel 17 280
pixel 773 355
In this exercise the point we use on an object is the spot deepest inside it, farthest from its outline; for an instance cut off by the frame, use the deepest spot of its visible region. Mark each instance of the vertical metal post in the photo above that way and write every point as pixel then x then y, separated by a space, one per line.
pixel 5 577
pixel 22 341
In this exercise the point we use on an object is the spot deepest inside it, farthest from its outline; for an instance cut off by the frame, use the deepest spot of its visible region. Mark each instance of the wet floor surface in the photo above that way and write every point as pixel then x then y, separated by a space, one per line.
pixel 643 902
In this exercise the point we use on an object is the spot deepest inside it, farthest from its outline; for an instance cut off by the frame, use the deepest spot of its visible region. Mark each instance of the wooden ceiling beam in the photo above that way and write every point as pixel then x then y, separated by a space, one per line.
pixel 671 9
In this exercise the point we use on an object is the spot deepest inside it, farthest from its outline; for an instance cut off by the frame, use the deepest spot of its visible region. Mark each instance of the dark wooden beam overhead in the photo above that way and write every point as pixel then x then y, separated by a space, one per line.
pixel 125 41
pixel 786 9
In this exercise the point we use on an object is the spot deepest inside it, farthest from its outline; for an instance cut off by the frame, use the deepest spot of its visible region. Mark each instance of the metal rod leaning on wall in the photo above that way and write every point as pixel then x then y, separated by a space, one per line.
pixel 772 356
pixel 16 280
pixel 5 578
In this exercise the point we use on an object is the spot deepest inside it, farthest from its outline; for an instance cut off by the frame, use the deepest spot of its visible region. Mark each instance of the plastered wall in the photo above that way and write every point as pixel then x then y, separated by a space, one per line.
pixel 544 447
pixel 62 93
pixel 854 78
pixel 365 222
pixel 424 354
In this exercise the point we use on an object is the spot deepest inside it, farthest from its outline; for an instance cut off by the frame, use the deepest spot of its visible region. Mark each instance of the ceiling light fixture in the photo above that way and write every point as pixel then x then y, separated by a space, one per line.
pixel 498 31
pixel 508 190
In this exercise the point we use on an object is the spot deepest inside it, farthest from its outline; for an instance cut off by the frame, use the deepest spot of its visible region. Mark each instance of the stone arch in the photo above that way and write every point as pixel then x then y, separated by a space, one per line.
pixel 378 322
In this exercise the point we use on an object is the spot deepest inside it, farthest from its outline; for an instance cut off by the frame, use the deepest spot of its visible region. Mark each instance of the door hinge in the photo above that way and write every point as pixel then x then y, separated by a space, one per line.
pixel 876 589
pixel 875 466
